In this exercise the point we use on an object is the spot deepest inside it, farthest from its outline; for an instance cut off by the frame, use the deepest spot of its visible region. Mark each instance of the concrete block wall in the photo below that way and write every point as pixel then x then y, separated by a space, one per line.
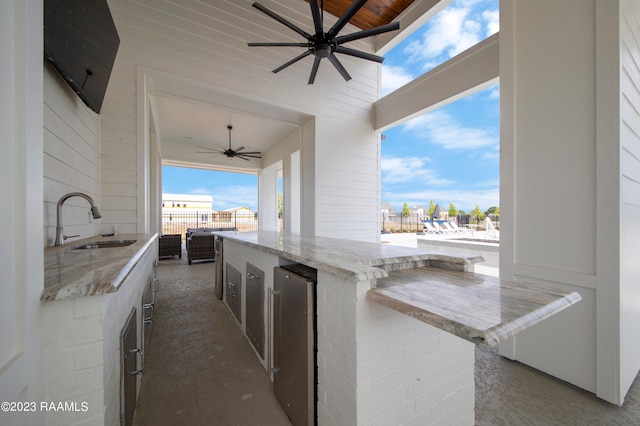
pixel 74 359
pixel 82 352
pixel 379 367
pixel 337 350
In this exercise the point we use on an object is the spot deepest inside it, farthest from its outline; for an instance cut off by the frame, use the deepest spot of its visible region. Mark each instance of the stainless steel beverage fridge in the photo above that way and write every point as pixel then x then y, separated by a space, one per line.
pixel 295 342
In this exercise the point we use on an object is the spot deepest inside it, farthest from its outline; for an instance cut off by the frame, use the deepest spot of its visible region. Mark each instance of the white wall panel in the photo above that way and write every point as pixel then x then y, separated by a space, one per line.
pixel 71 158
pixel 206 44
pixel 629 193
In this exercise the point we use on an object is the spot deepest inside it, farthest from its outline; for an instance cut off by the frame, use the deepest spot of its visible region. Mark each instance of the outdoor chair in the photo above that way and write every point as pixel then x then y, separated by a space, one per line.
pixel 430 229
pixel 490 230
pixel 441 229
pixel 170 245
pixel 200 247
pixel 457 228
pixel 450 228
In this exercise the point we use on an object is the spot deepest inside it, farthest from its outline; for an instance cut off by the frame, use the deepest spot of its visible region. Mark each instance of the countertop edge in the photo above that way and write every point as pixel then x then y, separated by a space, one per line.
pixel 489 337
pixel 369 269
pixel 79 288
pixel 359 272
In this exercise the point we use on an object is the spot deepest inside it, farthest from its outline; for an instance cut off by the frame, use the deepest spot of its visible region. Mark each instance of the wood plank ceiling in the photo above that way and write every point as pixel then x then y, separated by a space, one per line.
pixel 374 13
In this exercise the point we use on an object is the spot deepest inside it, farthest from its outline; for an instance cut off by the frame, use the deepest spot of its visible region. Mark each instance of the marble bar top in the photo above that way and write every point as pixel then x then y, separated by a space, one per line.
pixel 70 273
pixel 479 308
pixel 354 260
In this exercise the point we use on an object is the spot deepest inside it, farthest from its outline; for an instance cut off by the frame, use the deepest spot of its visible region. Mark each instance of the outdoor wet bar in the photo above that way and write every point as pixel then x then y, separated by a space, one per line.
pixel 396 326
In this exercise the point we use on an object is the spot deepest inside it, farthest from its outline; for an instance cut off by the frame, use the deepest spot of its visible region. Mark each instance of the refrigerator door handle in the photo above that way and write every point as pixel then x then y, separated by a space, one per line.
pixel 232 289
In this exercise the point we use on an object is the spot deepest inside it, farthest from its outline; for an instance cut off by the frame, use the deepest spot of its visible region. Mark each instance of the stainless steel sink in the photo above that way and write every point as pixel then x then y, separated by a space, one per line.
pixel 105 244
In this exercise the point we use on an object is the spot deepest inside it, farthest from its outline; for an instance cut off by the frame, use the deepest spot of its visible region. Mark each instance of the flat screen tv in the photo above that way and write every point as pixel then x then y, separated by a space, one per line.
pixel 81 41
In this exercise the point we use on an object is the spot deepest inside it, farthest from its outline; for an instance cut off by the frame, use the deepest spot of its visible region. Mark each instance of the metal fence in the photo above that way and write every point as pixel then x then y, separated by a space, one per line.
pixel 178 222
pixel 414 222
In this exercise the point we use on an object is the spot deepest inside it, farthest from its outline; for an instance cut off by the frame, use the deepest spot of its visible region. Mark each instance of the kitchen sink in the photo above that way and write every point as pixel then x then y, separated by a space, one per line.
pixel 105 244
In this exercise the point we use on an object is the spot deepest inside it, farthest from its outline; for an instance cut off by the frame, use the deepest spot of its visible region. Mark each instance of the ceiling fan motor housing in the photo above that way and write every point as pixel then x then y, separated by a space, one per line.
pixel 323 48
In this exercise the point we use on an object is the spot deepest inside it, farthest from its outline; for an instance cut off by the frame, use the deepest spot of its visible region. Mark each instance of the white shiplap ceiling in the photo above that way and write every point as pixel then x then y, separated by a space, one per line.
pixel 186 115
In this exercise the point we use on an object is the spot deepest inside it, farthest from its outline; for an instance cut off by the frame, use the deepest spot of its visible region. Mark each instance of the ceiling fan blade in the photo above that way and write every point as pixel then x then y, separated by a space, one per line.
pixel 317 16
pixel 293 61
pixel 359 54
pixel 208 152
pixel 211 149
pixel 280 19
pixel 279 44
pixel 249 156
pixel 241 157
pixel 346 17
pixel 251 153
pixel 239 149
pixel 336 63
pixel 368 33
pixel 314 69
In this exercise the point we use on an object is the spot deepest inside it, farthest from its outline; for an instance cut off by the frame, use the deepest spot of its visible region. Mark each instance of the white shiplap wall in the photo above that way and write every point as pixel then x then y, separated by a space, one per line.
pixel 629 191
pixel 71 138
pixel 206 42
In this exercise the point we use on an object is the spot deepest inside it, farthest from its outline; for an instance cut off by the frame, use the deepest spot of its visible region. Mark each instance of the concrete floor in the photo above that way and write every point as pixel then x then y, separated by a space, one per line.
pixel 200 370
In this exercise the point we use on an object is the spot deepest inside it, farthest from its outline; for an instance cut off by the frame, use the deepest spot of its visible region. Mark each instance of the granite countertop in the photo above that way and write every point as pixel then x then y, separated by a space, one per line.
pixel 70 273
pixel 354 260
pixel 480 308
pixel 436 289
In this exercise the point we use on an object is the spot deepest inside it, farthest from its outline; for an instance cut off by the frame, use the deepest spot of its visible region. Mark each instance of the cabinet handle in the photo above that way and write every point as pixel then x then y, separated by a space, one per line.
pixel 134 373
pixel 251 276
pixel 135 351
pixel 156 284
pixel 232 286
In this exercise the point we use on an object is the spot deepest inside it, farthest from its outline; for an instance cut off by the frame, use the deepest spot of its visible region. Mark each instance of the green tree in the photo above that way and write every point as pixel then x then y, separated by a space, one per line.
pixel 405 210
pixel 432 207
pixel 492 210
pixel 477 213
pixel 453 212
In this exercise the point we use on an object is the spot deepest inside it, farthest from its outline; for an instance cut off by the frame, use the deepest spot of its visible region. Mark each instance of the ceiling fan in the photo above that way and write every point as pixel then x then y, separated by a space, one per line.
pixel 325 44
pixel 228 152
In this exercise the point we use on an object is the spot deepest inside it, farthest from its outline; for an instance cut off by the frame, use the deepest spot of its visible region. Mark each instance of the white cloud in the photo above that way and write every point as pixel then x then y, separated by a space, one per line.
pixel 235 196
pixel 440 128
pixel 201 191
pixel 409 169
pixel 394 77
pixel 493 21
pixel 452 31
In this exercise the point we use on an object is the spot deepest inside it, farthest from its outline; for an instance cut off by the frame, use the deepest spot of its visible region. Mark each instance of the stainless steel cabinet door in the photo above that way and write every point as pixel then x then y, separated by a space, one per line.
pixel 294 349
pixel 233 292
pixel 254 294
pixel 129 371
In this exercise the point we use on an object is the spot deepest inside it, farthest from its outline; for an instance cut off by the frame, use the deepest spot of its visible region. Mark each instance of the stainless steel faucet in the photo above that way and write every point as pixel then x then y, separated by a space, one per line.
pixel 95 212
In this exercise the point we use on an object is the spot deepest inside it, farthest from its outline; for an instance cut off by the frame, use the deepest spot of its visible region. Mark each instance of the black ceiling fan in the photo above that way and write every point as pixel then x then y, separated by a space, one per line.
pixel 228 152
pixel 325 44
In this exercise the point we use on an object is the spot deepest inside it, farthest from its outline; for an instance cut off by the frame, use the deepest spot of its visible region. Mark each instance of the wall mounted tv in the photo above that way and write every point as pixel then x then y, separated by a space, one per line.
pixel 81 41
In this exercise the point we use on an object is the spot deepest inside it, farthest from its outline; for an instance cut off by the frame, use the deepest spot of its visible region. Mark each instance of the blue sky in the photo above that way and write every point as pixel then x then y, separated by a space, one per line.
pixel 450 155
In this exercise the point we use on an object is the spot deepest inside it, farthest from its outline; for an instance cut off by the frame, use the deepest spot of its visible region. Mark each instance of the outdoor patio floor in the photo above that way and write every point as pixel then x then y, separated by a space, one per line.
pixel 200 370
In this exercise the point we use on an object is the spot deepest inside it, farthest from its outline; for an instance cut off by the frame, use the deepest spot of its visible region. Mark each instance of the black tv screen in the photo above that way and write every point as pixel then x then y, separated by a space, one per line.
pixel 81 41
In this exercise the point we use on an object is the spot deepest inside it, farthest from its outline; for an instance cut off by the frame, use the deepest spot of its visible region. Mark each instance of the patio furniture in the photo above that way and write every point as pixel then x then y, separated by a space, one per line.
pixel 200 246
pixel 430 229
pixel 170 245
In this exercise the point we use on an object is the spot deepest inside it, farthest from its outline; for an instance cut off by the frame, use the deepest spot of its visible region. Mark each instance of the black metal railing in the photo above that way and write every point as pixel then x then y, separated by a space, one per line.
pixel 178 222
